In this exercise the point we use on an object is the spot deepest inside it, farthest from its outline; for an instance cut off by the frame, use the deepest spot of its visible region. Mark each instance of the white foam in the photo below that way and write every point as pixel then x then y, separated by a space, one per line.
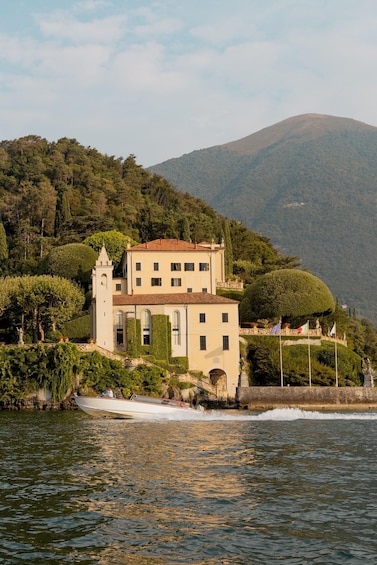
pixel 290 414
pixel 277 414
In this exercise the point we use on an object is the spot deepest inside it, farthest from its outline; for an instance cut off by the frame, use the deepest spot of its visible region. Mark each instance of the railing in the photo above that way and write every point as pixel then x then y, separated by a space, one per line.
pixel 291 332
pixel 230 285
pixel 284 332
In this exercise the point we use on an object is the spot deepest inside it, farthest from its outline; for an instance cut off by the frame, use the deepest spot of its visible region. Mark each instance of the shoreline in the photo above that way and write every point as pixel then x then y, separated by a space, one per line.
pixel 307 398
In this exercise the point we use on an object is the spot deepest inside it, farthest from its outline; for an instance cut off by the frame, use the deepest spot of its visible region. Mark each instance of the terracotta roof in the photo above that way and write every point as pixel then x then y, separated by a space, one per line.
pixel 169 245
pixel 178 298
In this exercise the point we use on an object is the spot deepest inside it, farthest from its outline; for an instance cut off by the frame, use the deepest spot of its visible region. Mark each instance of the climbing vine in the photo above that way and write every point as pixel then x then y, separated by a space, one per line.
pixel 24 370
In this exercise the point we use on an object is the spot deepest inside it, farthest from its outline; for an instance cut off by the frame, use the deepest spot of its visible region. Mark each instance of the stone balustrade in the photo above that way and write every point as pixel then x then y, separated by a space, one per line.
pixel 291 332
pixel 230 284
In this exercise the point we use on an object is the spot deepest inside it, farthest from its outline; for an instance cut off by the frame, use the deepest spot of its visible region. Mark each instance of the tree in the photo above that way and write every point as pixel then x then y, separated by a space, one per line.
pixel 228 250
pixel 287 293
pixel 3 243
pixel 115 243
pixel 40 303
pixel 72 261
pixel 7 286
pixel 254 254
pixel 185 229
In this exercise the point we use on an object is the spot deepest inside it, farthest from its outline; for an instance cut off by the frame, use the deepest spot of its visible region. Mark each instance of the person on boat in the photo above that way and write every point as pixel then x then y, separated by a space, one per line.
pixel 108 392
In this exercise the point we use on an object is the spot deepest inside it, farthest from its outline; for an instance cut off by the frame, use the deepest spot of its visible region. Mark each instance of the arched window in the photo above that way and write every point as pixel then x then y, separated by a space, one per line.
pixel 176 328
pixel 146 327
pixel 104 280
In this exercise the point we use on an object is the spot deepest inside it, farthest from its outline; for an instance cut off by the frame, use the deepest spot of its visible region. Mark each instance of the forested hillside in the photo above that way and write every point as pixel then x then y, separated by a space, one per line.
pixel 309 183
pixel 52 194
pixel 56 199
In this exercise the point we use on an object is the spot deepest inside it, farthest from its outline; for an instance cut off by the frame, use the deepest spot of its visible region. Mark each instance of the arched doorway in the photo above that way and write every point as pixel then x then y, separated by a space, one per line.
pixel 217 378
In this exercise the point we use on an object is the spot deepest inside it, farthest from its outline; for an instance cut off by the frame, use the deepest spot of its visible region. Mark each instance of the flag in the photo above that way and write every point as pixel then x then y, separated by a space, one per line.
pixel 304 329
pixel 332 332
pixel 276 329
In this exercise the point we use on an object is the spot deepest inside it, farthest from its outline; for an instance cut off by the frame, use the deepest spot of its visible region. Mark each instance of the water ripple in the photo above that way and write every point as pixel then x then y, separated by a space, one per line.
pixel 231 491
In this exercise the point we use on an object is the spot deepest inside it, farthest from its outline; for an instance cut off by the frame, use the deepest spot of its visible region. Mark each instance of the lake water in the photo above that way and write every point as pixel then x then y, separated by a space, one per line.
pixel 283 486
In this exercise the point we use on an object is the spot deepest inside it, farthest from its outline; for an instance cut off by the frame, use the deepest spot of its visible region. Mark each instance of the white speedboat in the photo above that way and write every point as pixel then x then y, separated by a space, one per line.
pixel 135 407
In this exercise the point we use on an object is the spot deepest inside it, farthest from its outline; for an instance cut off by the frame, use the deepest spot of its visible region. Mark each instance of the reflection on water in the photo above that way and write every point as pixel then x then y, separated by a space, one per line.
pixel 220 490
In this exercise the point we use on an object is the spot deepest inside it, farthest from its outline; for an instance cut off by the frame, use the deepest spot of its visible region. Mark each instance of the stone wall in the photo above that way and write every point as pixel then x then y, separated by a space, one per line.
pixel 267 397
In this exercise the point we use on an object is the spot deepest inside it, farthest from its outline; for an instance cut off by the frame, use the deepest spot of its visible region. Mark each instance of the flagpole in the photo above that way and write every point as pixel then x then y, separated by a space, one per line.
pixel 336 363
pixel 281 358
pixel 309 360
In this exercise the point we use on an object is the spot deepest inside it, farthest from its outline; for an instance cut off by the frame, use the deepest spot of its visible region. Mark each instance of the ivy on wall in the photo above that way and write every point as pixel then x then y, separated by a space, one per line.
pixel 24 370
pixel 59 369
pixel 133 333
pixel 161 340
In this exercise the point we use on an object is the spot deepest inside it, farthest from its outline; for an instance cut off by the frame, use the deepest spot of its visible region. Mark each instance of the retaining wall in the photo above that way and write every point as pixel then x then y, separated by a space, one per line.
pixel 267 397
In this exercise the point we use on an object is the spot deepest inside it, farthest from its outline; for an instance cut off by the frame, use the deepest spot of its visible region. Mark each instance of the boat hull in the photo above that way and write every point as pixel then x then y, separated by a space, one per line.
pixel 105 407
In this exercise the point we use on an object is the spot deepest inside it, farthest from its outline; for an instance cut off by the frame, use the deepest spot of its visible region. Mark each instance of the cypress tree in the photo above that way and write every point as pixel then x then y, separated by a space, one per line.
pixel 3 243
pixel 228 250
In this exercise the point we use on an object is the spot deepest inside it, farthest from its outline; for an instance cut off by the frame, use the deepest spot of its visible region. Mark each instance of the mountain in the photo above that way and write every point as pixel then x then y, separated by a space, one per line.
pixel 309 183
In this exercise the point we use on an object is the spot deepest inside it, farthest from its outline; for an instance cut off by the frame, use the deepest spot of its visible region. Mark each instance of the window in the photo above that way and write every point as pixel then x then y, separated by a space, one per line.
pixel 146 327
pixel 138 266
pixel 119 332
pixel 119 320
pixel 176 282
pixel 156 282
pixel 189 290
pixel 118 286
pixel 202 318
pixel 156 266
pixel 203 342
pixel 189 266
pixel 175 266
pixel 176 328
pixel 225 317
pixel 138 281
pixel 203 266
pixel 119 336
pixel 225 342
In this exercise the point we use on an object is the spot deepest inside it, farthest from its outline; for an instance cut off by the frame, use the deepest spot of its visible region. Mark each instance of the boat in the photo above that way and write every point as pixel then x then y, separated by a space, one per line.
pixel 136 406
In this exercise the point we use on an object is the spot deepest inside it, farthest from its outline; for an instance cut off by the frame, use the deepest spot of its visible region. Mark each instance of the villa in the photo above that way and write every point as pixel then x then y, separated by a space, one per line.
pixel 165 305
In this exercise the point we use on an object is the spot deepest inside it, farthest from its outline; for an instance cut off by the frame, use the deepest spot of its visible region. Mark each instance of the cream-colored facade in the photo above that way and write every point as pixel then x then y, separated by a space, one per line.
pixel 176 279
pixel 173 266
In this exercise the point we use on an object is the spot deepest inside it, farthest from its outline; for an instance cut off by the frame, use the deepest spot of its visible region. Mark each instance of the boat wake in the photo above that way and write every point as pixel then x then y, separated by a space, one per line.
pixel 276 414
pixel 289 414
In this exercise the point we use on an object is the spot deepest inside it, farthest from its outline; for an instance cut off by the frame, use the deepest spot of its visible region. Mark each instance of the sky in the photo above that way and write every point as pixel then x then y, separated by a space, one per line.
pixel 161 78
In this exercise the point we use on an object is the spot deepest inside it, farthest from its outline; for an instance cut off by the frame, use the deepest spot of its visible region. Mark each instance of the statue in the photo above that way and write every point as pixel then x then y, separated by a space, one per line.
pixel 20 332
pixel 368 373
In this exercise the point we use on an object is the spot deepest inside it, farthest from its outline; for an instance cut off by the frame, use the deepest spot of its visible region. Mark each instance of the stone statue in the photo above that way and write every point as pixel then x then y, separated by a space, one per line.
pixel 368 373
pixel 20 332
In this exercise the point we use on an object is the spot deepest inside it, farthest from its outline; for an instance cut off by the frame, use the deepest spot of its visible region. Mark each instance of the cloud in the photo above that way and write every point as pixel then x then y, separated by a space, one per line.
pixel 161 78
pixel 91 5
pixel 62 25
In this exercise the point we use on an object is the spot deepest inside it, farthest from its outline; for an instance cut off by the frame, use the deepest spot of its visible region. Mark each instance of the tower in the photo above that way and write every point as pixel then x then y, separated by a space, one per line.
pixel 102 305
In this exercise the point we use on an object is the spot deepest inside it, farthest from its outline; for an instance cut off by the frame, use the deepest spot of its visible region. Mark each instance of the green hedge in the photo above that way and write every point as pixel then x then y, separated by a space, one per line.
pixel 181 362
pixel 264 362
pixel 78 330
